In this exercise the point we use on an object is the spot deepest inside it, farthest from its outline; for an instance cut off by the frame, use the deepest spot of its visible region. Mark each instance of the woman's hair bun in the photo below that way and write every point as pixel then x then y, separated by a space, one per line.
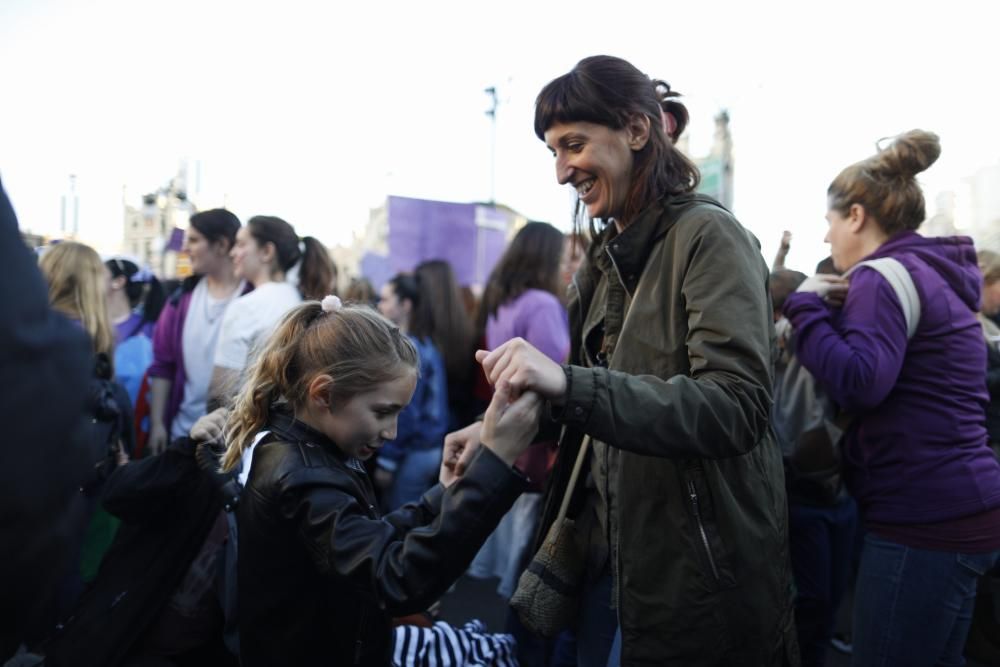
pixel 908 154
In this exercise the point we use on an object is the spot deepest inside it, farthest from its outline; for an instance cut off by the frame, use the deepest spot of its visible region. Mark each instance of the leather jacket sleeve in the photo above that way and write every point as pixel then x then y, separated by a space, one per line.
pixel 721 408
pixel 406 560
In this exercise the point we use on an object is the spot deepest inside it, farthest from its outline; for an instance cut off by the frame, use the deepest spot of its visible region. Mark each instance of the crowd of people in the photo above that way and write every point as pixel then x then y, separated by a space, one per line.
pixel 664 451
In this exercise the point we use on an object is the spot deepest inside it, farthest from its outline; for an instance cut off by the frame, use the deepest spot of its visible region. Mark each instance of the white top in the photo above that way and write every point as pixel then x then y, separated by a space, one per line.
pixel 250 320
pixel 198 338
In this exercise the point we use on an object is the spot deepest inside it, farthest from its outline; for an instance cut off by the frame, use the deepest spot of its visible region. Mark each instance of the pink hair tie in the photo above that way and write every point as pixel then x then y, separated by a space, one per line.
pixel 331 304
pixel 669 123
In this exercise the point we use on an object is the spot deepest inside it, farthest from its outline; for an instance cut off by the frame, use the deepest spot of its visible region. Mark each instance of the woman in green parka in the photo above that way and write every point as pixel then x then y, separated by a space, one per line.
pixel 670 375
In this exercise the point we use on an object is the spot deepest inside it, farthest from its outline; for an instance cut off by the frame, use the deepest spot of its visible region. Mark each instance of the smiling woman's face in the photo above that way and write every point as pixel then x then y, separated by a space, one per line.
pixel 597 161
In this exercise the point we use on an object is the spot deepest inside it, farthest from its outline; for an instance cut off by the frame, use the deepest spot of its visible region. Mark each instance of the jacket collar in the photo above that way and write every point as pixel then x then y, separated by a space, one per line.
pixel 628 251
pixel 284 425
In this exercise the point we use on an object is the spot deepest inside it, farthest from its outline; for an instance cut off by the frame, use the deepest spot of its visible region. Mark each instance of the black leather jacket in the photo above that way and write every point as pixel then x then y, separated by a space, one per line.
pixel 321 574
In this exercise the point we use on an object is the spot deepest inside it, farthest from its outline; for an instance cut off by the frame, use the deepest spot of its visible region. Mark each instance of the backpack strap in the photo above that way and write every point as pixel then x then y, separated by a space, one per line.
pixel 902 284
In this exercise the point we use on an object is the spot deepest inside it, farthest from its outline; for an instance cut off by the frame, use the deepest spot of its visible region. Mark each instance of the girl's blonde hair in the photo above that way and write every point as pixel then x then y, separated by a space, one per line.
pixel 78 289
pixel 989 264
pixel 354 345
pixel 886 183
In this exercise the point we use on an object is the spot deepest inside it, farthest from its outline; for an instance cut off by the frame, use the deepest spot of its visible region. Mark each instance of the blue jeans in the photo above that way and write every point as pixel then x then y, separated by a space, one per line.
pixel 597 625
pixel 913 607
pixel 417 472
pixel 821 543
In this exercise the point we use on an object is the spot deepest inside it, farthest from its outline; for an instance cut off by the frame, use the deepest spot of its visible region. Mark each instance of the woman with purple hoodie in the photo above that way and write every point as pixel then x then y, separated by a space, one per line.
pixel 916 455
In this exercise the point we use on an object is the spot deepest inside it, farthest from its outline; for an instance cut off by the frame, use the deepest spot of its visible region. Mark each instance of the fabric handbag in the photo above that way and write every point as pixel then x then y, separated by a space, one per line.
pixel 547 598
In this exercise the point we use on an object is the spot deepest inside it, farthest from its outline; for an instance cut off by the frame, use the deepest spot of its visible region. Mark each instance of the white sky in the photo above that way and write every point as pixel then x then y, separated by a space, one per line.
pixel 315 111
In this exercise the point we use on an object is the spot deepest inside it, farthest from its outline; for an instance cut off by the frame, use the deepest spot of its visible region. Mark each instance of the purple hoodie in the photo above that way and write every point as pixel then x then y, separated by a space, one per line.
pixel 917 451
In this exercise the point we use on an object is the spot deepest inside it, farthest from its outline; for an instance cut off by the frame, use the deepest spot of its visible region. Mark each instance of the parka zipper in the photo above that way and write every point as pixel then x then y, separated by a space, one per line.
pixel 359 643
pixel 693 494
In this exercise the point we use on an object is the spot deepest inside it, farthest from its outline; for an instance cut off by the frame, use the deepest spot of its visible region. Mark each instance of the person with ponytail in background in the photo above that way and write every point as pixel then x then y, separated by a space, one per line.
pixel 283 270
pixel 408 465
pixel 186 333
pixel 321 571
pixel 135 299
pixel 913 375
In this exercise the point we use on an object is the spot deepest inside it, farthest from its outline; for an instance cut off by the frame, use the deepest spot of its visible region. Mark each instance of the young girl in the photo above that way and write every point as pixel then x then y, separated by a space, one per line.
pixel 283 270
pixel 321 573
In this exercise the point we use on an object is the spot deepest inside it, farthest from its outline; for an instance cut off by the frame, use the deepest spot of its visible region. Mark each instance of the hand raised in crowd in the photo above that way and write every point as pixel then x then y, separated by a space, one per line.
pixel 830 288
pixel 210 427
pixel 524 368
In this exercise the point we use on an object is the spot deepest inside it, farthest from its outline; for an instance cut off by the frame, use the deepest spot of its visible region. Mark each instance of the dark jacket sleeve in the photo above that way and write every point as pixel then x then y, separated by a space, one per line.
pixel 45 365
pixel 146 489
pixel 408 560
pixel 722 408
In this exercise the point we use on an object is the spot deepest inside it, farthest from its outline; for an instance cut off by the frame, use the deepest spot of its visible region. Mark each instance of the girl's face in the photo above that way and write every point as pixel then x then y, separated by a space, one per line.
pixel 361 425
pixel 597 161
pixel 247 256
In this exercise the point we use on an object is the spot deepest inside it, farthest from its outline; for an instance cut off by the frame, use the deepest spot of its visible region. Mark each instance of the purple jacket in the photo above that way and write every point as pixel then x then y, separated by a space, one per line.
pixel 168 346
pixel 917 451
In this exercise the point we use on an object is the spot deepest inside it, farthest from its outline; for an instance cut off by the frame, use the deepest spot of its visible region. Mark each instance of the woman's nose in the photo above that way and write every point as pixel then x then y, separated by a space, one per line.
pixel 564 171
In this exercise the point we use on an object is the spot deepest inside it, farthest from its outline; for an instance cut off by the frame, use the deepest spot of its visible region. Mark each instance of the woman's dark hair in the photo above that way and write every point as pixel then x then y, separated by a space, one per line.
pixel 216 224
pixel 141 287
pixel 885 184
pixel 610 91
pixel 441 316
pixel 531 261
pixel 316 272
pixel 406 287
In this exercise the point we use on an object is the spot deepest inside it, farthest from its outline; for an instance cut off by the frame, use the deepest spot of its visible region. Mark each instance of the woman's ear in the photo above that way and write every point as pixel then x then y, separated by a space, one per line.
pixel 268 252
pixel 637 131
pixel 118 282
pixel 856 217
pixel 318 391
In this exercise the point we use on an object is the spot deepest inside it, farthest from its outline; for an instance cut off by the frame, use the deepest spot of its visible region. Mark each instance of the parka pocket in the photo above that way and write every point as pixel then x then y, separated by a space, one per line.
pixel 710 548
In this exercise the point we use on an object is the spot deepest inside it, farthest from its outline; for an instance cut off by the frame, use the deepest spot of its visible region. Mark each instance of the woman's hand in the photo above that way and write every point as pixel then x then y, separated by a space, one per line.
pixel 523 368
pixel 828 287
pixel 459 448
pixel 510 426
pixel 209 428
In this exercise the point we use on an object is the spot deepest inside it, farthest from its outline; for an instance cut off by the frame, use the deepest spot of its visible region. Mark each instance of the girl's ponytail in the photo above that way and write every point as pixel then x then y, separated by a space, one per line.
pixel 267 382
pixel 317 273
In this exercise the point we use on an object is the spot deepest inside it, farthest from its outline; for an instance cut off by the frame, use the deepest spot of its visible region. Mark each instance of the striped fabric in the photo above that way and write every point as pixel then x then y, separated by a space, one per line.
pixel 447 646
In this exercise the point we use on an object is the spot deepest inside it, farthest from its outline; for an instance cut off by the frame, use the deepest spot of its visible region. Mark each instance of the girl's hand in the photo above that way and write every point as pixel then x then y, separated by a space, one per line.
pixel 524 368
pixel 459 447
pixel 209 427
pixel 509 427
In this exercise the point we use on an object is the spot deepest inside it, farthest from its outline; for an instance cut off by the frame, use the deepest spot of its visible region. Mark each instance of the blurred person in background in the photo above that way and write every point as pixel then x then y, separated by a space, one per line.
pixel 77 281
pixel 409 464
pixel 135 299
pixel 283 270
pixel 46 363
pixel 442 315
pixel 187 332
